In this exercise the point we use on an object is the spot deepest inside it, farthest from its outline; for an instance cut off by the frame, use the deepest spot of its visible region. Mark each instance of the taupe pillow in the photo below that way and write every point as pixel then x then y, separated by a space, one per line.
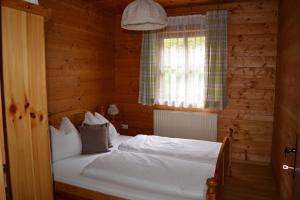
pixel 94 138
pixel 108 136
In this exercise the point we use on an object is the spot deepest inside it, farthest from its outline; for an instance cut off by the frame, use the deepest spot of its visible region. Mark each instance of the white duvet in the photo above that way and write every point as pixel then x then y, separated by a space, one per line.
pixel 152 173
pixel 195 150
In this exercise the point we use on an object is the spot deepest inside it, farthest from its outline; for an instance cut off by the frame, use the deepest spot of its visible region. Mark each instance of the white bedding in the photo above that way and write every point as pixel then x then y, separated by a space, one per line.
pixel 194 150
pixel 69 171
pixel 152 173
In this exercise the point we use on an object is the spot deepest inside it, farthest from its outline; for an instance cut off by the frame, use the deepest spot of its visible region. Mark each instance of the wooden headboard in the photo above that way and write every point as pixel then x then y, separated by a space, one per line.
pixel 76 116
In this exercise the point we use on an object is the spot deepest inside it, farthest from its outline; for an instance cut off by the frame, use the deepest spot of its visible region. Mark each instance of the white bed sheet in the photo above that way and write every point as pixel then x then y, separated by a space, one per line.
pixel 152 173
pixel 69 171
pixel 193 150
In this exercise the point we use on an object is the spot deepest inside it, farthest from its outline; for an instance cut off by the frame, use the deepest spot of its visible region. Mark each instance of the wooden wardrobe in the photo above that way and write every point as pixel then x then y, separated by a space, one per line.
pixel 25 101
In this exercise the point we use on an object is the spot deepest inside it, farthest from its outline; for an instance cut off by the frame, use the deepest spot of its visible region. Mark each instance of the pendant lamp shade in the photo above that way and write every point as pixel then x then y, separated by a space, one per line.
pixel 144 15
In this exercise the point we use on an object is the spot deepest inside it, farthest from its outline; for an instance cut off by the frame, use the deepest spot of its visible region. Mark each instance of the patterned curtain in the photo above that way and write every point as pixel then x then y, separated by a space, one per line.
pixel 147 69
pixel 216 55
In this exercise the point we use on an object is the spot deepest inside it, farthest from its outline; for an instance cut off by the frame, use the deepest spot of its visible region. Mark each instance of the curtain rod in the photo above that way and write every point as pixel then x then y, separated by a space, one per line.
pixel 200 8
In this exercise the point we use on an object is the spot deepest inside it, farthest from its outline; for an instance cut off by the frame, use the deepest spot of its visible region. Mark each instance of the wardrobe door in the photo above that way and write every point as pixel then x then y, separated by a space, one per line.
pixel 26 105
pixel 2 155
pixel 2 182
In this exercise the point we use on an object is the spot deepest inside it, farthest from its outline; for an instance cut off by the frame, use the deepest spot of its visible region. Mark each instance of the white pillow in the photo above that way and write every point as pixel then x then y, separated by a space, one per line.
pixel 90 119
pixel 67 126
pixel 100 117
pixel 65 141
pixel 102 120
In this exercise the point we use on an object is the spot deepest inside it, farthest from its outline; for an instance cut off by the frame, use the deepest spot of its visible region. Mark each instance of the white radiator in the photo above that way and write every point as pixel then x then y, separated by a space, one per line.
pixel 189 125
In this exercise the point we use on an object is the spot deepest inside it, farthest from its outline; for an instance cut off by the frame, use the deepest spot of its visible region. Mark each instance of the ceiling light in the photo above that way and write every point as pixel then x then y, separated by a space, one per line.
pixel 144 15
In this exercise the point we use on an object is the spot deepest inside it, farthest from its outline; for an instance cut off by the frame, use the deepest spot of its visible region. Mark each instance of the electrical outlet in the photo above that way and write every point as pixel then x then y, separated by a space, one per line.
pixel 124 126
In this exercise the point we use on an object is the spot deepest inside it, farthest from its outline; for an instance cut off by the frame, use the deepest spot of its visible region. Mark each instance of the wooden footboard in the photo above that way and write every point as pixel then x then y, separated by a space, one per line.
pixel 70 192
pixel 223 168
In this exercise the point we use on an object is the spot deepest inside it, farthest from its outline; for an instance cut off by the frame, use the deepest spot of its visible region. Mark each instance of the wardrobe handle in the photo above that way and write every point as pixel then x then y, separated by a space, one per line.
pixel 286 167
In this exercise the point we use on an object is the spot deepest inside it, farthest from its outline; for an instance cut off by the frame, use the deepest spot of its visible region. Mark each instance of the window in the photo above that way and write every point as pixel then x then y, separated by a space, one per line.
pixel 185 64
pixel 181 72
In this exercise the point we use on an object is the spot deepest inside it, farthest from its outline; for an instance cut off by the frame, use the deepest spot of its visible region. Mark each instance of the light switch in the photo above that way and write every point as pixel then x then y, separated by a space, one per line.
pixel 124 126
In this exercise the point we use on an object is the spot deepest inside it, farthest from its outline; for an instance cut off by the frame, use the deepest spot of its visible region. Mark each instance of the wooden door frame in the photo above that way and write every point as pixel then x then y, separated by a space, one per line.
pixel 297 164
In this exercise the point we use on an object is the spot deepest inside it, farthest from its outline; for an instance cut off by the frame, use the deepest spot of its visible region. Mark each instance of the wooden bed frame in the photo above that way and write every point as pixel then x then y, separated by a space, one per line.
pixel 70 192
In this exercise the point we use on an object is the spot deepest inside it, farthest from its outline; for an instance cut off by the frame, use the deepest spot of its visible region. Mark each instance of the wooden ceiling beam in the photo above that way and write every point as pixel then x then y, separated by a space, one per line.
pixel 117 6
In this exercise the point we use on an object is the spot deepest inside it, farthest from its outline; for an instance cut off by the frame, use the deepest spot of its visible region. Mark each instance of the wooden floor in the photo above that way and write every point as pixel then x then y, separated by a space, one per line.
pixel 250 182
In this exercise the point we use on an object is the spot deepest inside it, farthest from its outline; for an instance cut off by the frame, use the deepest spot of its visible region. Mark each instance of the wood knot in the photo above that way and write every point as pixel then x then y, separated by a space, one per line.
pixel 20 117
pixel 26 105
pixel 13 109
pixel 32 115
pixel 41 117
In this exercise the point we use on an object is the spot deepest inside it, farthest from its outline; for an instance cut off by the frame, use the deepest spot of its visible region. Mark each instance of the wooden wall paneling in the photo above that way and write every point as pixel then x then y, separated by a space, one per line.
pixel 79 55
pixel 26 105
pixel 287 104
pixel 252 32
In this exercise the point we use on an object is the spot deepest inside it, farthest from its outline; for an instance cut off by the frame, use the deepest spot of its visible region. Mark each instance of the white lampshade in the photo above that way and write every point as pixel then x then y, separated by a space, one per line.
pixel 113 110
pixel 33 1
pixel 144 15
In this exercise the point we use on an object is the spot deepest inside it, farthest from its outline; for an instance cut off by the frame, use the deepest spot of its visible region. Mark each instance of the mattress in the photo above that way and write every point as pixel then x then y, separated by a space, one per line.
pixel 69 171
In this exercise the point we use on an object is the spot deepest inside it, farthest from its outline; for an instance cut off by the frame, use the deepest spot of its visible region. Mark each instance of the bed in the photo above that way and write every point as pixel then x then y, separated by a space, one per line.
pixel 70 182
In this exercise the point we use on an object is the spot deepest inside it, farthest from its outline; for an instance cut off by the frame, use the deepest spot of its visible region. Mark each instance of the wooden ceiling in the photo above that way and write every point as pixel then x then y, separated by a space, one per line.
pixel 117 6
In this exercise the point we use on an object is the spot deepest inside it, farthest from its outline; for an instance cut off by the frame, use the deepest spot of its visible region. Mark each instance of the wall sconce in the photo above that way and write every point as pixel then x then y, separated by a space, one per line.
pixel 36 2
pixel 113 110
